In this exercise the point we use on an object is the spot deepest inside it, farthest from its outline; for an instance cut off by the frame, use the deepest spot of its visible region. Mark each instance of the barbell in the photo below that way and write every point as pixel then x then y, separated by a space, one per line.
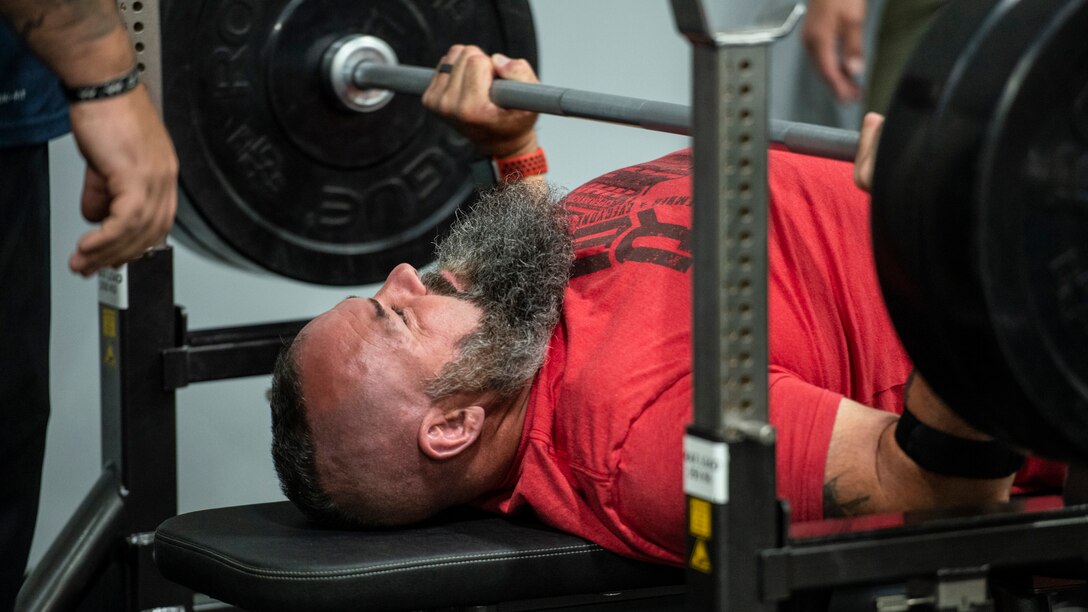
pixel 300 160
pixel 363 73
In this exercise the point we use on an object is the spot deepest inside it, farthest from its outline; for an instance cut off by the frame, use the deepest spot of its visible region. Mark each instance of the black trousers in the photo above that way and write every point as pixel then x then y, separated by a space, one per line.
pixel 24 353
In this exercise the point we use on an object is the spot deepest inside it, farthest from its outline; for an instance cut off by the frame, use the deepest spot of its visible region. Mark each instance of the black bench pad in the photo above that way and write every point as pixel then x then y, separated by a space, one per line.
pixel 270 557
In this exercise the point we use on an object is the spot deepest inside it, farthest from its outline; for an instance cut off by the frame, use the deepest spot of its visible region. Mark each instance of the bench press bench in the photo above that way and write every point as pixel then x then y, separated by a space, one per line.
pixel 252 557
pixel 271 557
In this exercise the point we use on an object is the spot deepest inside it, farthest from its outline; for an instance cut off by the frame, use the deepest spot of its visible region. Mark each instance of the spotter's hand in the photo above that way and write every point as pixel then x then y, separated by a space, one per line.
pixel 130 187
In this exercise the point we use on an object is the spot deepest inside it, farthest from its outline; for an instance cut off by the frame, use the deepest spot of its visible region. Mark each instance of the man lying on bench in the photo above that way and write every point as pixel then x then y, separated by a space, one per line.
pixel 546 364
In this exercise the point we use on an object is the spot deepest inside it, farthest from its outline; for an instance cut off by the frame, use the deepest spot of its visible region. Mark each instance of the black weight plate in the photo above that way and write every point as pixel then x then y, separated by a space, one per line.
pixel 1033 205
pixel 925 218
pixel 275 174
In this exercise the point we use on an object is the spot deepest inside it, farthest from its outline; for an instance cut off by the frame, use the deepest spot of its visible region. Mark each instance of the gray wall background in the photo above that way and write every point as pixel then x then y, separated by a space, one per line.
pixel 626 47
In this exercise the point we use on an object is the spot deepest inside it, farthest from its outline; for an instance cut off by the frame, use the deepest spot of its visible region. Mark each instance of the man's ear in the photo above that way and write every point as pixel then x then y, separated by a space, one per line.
pixel 445 432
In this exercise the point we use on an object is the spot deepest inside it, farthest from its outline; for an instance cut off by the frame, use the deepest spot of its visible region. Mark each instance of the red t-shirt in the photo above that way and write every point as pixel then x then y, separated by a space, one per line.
pixel 600 454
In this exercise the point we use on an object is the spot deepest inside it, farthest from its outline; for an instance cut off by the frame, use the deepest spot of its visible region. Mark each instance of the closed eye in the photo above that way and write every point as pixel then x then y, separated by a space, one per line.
pixel 400 313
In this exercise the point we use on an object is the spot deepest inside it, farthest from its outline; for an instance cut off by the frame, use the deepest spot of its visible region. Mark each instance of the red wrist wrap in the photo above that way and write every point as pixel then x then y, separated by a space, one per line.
pixel 520 166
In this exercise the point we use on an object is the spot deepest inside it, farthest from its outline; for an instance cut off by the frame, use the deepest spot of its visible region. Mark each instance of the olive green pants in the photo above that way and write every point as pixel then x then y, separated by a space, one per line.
pixel 902 23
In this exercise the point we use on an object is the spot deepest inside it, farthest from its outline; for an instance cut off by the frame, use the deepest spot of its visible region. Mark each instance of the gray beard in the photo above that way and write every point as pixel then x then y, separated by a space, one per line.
pixel 512 252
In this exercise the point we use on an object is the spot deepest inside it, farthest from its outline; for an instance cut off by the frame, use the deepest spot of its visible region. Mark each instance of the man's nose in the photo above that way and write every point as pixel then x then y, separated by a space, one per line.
pixel 404 280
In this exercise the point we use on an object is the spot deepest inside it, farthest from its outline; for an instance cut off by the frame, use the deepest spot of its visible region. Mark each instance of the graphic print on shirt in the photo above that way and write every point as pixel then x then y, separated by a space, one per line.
pixel 618 217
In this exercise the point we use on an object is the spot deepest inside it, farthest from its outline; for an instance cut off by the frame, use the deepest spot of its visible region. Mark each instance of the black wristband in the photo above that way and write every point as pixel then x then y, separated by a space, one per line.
pixel 101 91
pixel 950 455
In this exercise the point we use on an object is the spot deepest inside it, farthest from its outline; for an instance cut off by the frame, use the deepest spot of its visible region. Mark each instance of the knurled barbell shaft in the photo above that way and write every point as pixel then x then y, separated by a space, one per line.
pixel 833 143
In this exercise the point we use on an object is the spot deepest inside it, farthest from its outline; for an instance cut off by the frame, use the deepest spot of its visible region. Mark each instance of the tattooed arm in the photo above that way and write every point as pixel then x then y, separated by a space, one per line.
pixel 867 472
pixel 83 41
pixel 130 185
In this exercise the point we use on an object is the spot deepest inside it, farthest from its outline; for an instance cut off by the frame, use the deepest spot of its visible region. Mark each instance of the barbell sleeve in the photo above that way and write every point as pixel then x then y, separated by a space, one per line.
pixel 833 143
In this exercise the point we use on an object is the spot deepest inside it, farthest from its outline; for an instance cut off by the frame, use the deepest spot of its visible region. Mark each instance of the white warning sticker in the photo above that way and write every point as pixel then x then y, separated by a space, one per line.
pixel 706 469
pixel 113 287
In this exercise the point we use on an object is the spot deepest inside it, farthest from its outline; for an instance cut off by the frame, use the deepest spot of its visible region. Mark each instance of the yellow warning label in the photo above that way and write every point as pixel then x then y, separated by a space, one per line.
pixel 109 323
pixel 699 518
pixel 700 560
pixel 110 358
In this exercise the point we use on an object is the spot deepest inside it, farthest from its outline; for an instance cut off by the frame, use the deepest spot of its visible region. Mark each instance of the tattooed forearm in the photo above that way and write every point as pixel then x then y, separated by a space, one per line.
pixel 26 27
pixel 85 19
pixel 26 17
pixel 834 507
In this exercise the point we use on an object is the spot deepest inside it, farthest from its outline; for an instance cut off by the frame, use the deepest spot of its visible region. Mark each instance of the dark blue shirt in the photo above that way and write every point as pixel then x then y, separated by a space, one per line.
pixel 32 105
